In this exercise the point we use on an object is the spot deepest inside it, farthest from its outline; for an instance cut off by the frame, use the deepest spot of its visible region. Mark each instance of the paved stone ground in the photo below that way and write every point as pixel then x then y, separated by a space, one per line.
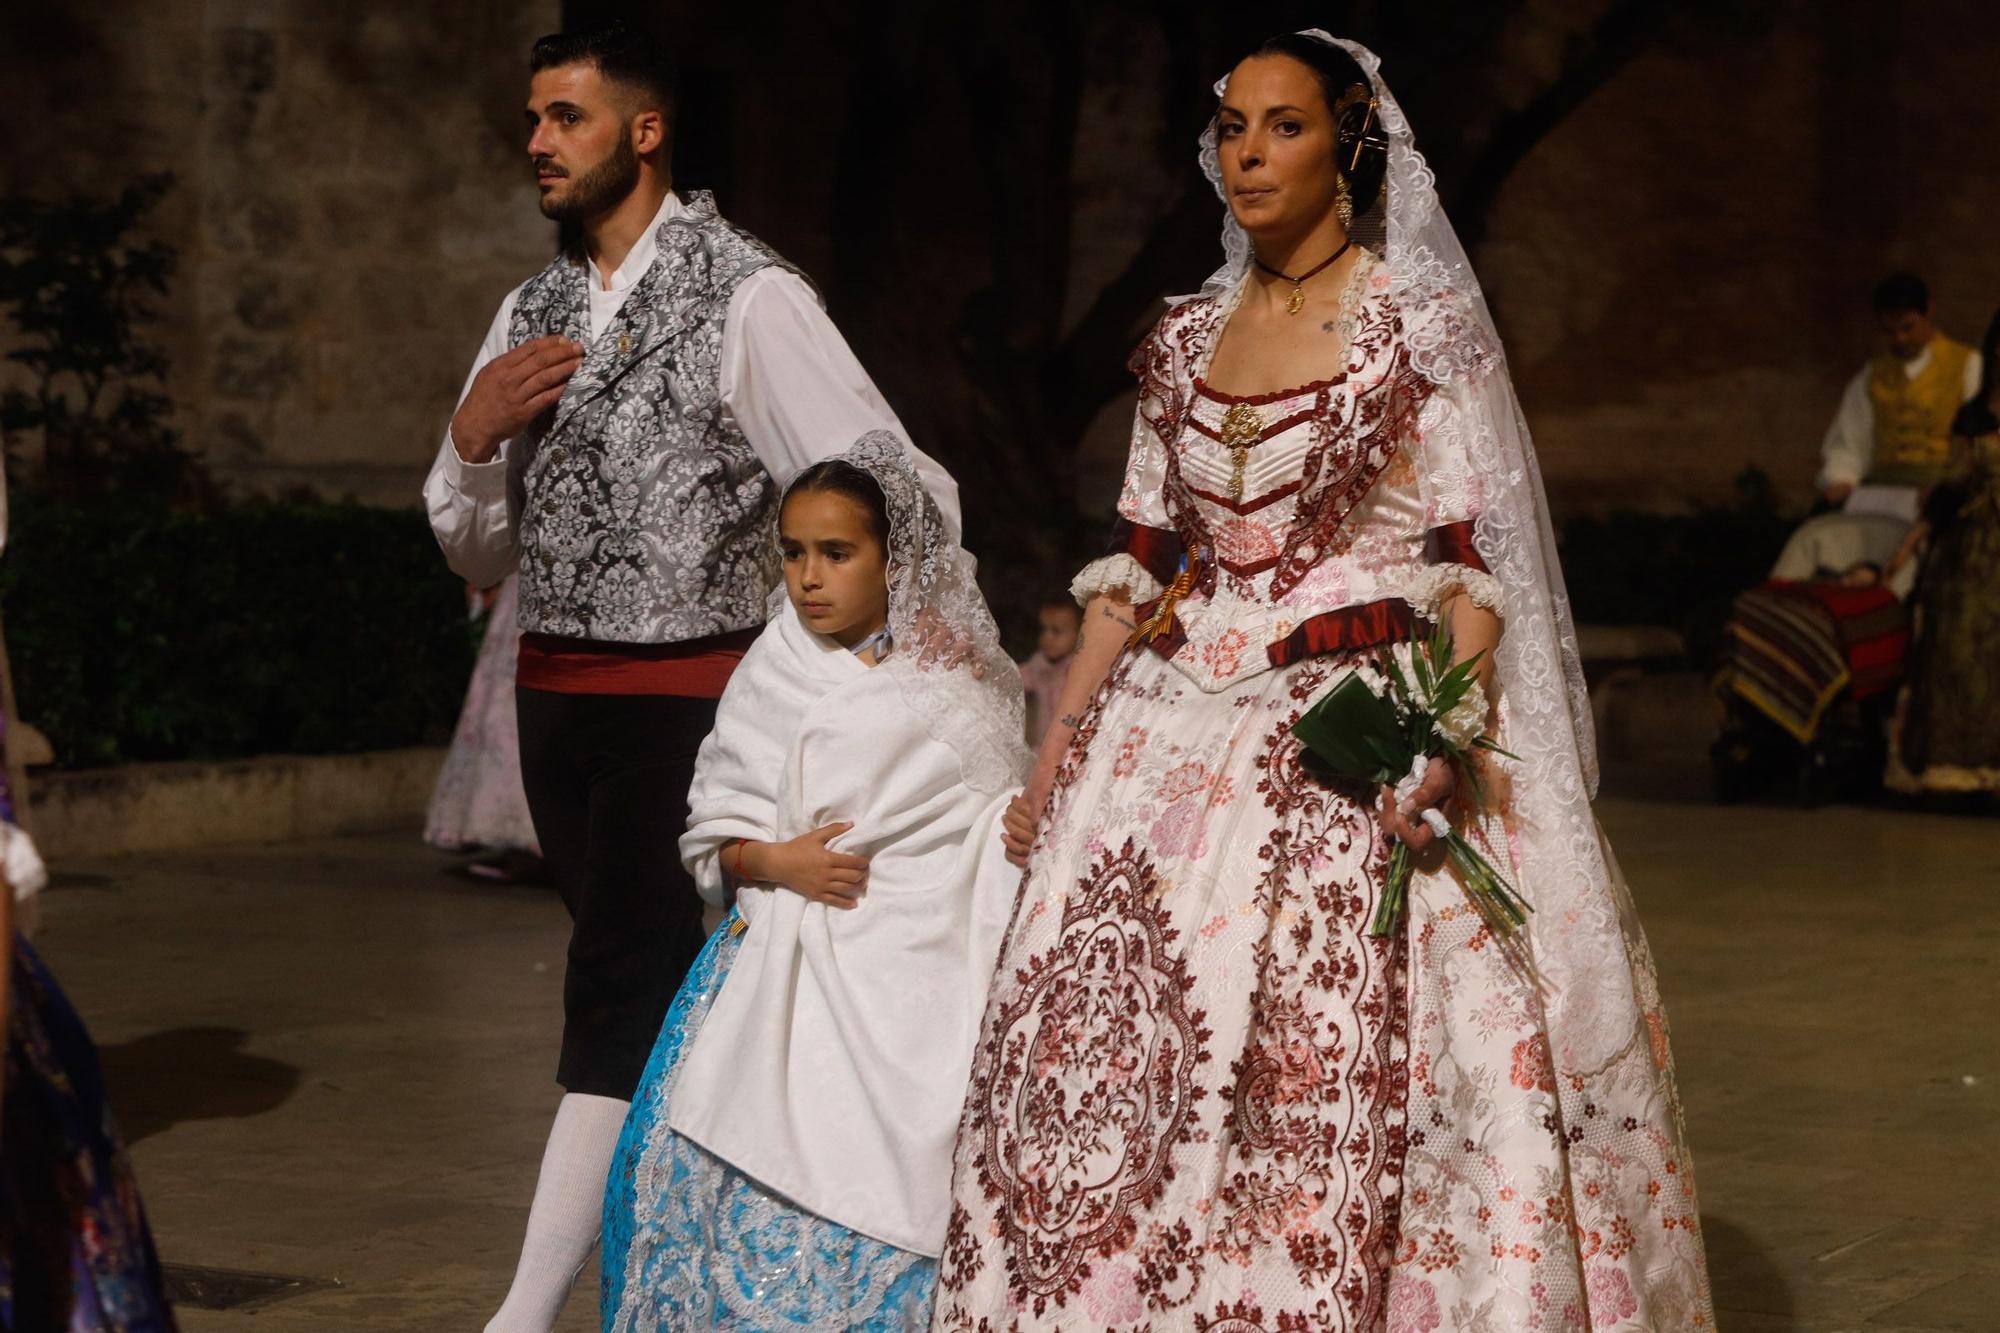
pixel 335 1062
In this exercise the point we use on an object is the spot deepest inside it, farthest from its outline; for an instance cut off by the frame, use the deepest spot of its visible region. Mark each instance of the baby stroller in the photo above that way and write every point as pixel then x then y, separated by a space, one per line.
pixel 1808 681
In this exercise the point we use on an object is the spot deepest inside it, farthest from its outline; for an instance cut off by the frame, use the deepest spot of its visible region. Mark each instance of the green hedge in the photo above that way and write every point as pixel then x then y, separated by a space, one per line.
pixel 140 633
pixel 137 632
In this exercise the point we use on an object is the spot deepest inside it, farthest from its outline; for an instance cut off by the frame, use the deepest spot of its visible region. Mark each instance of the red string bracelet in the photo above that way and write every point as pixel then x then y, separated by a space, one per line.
pixel 739 845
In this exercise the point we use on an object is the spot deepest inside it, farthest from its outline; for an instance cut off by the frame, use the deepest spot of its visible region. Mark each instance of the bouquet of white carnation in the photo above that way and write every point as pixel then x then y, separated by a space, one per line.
pixel 1383 724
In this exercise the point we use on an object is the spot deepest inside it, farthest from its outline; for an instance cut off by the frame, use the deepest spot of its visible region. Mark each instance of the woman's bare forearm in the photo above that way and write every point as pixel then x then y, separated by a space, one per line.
pixel 1474 629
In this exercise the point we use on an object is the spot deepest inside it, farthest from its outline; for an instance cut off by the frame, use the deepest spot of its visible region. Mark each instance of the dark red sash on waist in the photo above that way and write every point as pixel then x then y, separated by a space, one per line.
pixel 694 669
pixel 1452 545
pixel 1343 630
pixel 1369 625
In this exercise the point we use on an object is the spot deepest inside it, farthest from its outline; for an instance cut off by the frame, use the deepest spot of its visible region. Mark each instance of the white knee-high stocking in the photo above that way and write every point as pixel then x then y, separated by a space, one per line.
pixel 567 1213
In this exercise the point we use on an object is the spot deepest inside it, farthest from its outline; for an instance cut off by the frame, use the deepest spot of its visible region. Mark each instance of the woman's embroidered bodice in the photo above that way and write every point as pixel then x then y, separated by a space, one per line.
pixel 1352 495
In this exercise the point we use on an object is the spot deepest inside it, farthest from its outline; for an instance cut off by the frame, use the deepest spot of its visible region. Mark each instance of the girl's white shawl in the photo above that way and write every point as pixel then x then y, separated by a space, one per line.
pixel 833 1065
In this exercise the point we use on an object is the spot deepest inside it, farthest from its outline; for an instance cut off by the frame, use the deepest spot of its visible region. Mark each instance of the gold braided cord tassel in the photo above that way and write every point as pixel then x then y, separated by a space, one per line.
pixel 1162 620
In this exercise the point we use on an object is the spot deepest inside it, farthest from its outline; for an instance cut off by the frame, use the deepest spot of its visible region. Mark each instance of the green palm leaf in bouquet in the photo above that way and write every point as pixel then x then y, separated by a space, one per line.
pixel 1359 734
pixel 1354 733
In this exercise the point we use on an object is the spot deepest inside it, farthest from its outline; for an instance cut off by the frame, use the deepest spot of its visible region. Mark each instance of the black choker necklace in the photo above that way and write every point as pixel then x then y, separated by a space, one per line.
pixel 1297 301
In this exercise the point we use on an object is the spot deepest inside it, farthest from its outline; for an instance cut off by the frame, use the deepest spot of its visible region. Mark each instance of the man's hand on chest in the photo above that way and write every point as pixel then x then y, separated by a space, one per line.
pixel 510 392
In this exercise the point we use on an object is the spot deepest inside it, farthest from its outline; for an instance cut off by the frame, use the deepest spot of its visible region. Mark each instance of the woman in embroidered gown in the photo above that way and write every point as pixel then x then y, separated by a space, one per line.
pixel 75 1251
pixel 787 1162
pixel 1204 1097
pixel 1946 736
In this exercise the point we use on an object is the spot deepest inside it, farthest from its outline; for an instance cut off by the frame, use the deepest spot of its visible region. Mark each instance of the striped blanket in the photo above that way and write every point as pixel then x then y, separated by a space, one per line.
pixel 1790 649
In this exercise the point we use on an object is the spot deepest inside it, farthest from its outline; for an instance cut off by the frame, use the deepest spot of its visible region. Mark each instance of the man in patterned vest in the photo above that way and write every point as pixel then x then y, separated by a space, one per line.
pixel 1890 440
pixel 618 444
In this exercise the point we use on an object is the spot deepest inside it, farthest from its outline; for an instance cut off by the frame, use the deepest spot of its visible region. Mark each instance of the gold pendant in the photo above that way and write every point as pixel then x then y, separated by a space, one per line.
pixel 624 343
pixel 1297 301
pixel 1241 428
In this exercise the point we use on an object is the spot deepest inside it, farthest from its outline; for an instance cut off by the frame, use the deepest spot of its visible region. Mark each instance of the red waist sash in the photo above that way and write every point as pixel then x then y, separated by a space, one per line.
pixel 1343 630
pixel 696 669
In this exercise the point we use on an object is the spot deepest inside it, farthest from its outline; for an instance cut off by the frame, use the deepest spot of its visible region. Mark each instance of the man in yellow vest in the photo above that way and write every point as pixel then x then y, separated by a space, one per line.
pixel 1889 442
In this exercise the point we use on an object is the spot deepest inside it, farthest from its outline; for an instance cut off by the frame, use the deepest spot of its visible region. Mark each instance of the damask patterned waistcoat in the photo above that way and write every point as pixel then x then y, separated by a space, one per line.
pixel 645 517
pixel 1913 416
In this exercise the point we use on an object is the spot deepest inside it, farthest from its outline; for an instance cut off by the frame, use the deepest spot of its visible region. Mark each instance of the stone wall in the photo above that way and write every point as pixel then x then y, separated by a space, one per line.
pixel 352 205
pixel 1680 269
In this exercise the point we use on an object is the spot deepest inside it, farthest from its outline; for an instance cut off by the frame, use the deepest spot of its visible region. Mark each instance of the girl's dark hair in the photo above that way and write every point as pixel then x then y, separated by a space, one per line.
pixel 1977 417
pixel 834 477
pixel 1362 153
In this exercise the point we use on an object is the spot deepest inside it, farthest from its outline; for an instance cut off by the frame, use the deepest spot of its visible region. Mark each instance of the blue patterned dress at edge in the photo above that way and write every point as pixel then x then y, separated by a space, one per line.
pixel 691 1242
pixel 75 1253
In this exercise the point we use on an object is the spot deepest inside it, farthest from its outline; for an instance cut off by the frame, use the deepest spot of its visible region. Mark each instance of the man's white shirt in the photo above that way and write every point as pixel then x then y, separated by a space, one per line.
pixel 790 383
pixel 1849 448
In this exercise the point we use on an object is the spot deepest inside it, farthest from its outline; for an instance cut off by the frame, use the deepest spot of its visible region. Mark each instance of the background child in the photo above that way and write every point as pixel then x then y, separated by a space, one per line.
pixel 1043 674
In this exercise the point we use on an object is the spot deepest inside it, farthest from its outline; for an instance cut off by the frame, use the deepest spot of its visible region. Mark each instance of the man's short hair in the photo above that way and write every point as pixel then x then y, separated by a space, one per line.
pixel 623 56
pixel 1901 292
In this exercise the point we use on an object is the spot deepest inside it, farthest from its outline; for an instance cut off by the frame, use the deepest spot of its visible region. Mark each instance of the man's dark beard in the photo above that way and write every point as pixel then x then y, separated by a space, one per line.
pixel 598 190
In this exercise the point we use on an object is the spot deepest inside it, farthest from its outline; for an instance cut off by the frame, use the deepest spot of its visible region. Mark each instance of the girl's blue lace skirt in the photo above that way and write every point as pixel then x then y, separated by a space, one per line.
pixel 692 1243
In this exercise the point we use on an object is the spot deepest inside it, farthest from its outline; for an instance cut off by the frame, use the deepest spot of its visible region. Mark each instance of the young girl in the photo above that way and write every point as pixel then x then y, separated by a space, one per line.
pixel 787 1159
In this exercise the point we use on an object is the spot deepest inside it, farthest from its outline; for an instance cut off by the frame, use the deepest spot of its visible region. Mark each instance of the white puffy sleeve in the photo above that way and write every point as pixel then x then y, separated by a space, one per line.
pixel 474 508
pixel 1455 457
pixel 21 864
pixel 1146 548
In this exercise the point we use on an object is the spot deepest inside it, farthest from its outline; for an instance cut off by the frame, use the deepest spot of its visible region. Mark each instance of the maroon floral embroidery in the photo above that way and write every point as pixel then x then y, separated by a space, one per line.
pixel 961 1248
pixel 1356 438
pixel 1316 1097
pixel 1245 545
pixel 1243 1316
pixel 1093 1085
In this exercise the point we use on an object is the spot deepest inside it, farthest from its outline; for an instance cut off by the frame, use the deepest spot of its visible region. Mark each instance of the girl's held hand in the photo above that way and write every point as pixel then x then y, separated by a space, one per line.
pixel 1406 822
pixel 1024 813
pixel 811 869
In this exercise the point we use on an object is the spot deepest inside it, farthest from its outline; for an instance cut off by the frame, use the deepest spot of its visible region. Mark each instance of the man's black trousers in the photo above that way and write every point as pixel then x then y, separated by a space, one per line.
pixel 607 780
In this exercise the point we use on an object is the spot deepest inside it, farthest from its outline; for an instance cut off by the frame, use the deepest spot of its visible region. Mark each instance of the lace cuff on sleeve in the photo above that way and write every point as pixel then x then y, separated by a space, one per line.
pixel 1120 576
pixel 1431 586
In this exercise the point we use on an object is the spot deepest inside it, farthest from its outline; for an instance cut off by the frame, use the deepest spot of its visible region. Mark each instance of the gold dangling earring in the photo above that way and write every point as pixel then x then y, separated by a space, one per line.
pixel 1343 201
